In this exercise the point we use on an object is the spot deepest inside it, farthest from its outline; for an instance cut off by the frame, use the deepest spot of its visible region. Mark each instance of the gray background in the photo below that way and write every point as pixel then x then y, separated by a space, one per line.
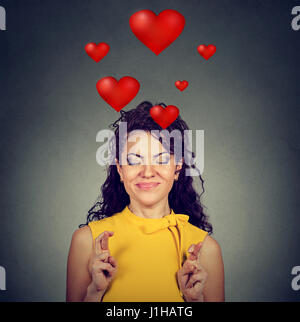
pixel 245 98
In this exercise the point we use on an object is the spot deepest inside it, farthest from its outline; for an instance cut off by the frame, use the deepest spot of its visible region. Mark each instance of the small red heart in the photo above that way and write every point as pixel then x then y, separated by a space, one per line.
pixel 181 85
pixel 118 93
pixel 157 32
pixel 164 116
pixel 97 52
pixel 206 51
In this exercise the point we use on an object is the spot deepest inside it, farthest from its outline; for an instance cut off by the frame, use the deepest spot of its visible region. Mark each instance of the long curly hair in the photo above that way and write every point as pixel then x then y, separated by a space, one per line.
pixel 183 198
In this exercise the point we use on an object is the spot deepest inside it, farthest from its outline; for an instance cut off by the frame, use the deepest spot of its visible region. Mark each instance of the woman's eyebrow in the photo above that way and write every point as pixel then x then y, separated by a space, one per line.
pixel 140 156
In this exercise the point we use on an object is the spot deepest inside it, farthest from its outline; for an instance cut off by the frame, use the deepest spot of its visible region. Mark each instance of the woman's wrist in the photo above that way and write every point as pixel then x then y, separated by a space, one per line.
pixel 201 299
pixel 92 294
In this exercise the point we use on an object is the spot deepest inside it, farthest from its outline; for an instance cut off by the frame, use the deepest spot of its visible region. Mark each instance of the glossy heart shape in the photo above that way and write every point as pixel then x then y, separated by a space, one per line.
pixel 164 116
pixel 157 32
pixel 181 85
pixel 206 51
pixel 118 93
pixel 97 52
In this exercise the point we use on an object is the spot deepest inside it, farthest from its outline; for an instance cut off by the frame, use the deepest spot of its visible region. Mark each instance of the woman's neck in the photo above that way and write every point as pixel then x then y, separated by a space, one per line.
pixel 157 210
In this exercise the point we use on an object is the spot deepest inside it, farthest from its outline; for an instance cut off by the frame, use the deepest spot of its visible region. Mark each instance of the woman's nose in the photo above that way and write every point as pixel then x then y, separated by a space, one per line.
pixel 148 170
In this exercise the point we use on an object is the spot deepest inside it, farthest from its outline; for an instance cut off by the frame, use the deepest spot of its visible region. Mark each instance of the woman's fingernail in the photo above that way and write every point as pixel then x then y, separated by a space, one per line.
pixel 191 249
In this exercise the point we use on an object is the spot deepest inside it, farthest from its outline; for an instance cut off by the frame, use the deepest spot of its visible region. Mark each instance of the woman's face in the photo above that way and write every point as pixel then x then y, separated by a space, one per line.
pixel 147 169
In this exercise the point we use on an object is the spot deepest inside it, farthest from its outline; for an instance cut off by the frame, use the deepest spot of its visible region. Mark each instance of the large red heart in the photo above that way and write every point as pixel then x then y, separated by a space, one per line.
pixel 164 116
pixel 157 32
pixel 181 85
pixel 206 51
pixel 97 52
pixel 118 93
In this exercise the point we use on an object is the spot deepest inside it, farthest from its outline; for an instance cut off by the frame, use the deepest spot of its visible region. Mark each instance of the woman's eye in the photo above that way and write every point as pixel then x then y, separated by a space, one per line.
pixel 133 160
pixel 163 160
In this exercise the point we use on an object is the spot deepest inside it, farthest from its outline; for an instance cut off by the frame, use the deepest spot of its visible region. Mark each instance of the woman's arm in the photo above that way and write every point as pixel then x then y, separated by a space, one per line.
pixel 90 269
pixel 78 275
pixel 201 277
pixel 211 259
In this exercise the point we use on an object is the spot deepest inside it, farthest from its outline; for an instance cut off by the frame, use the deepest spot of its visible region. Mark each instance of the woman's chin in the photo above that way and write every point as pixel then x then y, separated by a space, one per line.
pixel 147 202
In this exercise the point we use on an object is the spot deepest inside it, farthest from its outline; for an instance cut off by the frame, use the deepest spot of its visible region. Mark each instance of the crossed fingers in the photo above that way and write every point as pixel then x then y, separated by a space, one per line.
pixel 102 248
pixel 193 275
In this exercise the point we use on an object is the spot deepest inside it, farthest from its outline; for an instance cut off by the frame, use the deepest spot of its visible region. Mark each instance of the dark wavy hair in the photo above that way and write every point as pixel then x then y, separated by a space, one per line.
pixel 183 198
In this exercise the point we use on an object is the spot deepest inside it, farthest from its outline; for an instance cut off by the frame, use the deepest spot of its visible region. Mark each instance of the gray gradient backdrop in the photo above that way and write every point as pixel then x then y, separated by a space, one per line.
pixel 245 98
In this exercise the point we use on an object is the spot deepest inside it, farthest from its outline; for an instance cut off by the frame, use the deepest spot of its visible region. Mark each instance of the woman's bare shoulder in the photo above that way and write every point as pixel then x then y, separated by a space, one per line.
pixel 82 237
pixel 211 250
pixel 210 245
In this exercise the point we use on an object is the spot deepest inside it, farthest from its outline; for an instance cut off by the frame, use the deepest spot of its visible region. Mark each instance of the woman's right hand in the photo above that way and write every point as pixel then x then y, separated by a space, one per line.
pixel 104 266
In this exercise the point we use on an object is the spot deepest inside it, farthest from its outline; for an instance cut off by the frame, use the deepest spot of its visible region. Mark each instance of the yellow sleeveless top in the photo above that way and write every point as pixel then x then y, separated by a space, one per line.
pixel 149 252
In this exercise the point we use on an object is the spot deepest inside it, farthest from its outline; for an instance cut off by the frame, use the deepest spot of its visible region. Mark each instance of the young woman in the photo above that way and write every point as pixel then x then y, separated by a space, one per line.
pixel 149 240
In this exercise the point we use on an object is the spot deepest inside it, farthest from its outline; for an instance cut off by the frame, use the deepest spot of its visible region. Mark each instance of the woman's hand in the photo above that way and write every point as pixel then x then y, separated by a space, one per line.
pixel 104 266
pixel 192 276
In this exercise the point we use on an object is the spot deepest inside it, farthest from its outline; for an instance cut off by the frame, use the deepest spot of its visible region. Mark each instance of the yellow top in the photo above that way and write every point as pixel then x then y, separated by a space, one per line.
pixel 149 252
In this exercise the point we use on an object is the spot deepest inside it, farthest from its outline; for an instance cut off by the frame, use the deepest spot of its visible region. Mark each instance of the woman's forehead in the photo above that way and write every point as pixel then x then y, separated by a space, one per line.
pixel 143 141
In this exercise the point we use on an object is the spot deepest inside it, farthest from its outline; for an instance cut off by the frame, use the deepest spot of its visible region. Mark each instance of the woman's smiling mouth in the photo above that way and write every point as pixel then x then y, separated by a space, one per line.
pixel 147 185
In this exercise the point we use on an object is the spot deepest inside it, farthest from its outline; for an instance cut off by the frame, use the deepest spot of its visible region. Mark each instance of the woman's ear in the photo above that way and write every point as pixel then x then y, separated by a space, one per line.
pixel 118 166
pixel 178 168
pixel 179 164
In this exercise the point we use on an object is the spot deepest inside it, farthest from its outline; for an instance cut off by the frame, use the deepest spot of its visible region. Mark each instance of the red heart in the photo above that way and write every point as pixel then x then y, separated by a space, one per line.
pixel 164 116
pixel 181 85
pixel 97 52
pixel 118 93
pixel 157 32
pixel 206 51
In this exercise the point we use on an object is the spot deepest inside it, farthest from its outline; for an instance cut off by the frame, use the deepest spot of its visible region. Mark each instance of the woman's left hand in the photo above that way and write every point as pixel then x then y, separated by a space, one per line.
pixel 192 276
